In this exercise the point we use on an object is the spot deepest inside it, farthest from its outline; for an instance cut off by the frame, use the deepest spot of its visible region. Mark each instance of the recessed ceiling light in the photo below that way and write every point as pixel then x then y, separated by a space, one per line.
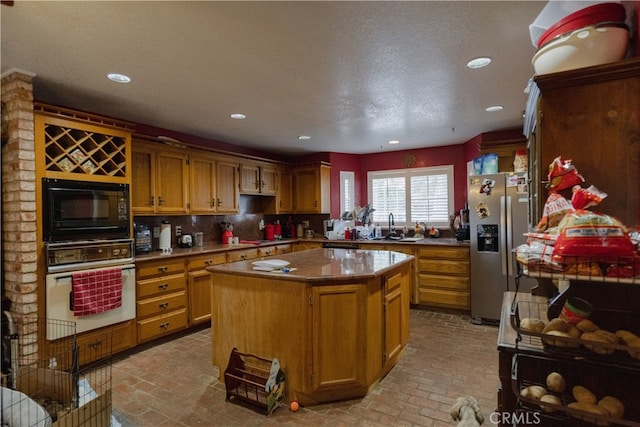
pixel 480 62
pixel 304 137
pixel 394 141
pixel 494 108
pixel 118 78
pixel 238 116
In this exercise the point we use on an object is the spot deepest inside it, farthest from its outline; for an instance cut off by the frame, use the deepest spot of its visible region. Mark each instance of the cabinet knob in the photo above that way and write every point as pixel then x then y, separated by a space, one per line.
pixel 152 202
pixel 164 286
pixel 95 344
pixel 208 262
pixel 164 325
pixel 160 200
pixel 164 305
pixel 162 269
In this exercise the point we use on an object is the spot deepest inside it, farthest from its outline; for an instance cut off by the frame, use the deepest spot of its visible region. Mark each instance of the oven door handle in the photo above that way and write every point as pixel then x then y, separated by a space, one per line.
pixel 59 276
pixel 71 300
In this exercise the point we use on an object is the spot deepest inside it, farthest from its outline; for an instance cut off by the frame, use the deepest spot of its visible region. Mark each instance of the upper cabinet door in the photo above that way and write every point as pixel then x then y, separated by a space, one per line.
pixel 202 196
pixel 249 179
pixel 312 189
pixel 268 180
pixel 227 187
pixel 172 182
pixel 143 181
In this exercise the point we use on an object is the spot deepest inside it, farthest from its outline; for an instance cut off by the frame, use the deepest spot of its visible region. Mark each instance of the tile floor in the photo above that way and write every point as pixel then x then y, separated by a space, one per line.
pixel 173 383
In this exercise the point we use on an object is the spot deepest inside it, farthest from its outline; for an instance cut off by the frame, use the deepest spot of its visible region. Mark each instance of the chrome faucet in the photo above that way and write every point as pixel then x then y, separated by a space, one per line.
pixel 392 225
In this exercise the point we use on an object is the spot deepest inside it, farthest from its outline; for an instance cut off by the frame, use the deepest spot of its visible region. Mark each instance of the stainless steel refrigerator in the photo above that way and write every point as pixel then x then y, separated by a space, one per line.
pixel 498 217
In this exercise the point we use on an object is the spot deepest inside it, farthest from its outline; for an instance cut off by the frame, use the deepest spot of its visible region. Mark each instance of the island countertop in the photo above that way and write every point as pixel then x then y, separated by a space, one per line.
pixel 322 265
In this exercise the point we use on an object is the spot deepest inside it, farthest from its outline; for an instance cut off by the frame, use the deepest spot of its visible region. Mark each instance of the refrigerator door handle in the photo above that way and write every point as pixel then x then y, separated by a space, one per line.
pixel 503 237
pixel 509 246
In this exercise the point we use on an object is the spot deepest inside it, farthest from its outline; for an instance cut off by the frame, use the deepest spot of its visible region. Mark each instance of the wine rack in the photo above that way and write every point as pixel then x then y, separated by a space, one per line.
pixel 75 149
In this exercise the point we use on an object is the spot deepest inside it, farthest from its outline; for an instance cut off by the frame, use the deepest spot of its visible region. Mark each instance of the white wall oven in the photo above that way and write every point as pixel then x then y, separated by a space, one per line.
pixel 90 283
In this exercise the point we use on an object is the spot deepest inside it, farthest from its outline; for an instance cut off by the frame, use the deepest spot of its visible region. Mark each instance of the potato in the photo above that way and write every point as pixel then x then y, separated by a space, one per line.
pixel 587 325
pixel 600 349
pixel 574 332
pixel 549 398
pixel 556 324
pixel 559 342
pixel 584 395
pixel 626 336
pixel 635 344
pixel 532 325
pixel 613 406
pixel 556 382
pixel 610 336
pixel 533 392
pixel 591 408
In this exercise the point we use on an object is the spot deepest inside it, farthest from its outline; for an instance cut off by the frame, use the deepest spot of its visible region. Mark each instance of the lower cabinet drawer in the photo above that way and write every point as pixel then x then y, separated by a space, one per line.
pixel 161 325
pixel 161 304
pixel 161 285
pixel 447 282
pixel 444 298
pixel 96 345
pixel 460 268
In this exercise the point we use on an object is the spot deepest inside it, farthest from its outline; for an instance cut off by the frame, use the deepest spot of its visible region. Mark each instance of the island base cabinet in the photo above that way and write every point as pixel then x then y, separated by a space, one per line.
pixel 338 311
pixel 329 338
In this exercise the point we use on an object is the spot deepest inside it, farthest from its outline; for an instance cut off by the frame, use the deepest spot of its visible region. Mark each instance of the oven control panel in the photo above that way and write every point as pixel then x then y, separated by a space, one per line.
pixel 99 252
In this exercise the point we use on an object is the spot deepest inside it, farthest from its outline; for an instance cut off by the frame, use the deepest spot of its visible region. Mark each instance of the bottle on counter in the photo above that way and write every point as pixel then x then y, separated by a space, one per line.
pixel 300 232
pixel 347 234
pixel 378 232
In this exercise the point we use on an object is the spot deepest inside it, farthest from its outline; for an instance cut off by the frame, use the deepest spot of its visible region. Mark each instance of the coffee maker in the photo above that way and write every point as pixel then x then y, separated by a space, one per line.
pixel 464 233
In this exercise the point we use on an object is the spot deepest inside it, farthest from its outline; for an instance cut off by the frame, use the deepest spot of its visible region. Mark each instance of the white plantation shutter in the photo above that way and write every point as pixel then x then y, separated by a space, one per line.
pixel 412 195
pixel 347 192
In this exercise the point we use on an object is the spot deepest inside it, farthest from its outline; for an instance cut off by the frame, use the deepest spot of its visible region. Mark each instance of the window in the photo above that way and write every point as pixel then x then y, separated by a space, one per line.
pixel 347 191
pixel 412 195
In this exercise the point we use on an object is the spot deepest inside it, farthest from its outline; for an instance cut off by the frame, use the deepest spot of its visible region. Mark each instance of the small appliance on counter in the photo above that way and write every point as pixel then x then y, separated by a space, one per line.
pixel 165 236
pixel 185 240
pixel 143 238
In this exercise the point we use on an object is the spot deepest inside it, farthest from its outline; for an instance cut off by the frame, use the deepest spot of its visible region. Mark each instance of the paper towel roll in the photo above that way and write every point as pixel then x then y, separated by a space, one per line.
pixel 165 236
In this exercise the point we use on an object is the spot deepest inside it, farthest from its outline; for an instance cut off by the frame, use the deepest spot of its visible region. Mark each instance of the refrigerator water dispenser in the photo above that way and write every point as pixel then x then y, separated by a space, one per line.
pixel 488 237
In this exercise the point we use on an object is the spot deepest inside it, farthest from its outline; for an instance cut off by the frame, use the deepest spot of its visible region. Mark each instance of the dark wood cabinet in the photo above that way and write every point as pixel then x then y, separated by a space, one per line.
pixel 592 116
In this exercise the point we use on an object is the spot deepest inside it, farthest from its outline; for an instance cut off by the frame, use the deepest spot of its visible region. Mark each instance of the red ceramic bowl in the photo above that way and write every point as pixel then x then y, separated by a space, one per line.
pixel 601 12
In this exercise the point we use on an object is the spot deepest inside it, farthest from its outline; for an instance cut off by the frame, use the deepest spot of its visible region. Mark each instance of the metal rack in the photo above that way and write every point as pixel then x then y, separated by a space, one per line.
pixel 46 384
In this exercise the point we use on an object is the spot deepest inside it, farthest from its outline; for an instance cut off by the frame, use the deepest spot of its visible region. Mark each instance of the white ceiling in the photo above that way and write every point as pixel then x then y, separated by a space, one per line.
pixel 352 75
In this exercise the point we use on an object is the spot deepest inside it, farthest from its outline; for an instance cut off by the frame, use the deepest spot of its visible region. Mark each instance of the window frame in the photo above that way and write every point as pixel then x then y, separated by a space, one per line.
pixel 447 170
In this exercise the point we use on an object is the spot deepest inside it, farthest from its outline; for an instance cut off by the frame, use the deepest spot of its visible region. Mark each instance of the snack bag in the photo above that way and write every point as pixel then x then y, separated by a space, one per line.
pixel 554 210
pixel 594 236
pixel 584 198
pixel 562 175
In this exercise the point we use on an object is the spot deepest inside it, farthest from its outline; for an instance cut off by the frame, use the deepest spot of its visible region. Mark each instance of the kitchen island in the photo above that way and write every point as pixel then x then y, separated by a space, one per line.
pixel 337 321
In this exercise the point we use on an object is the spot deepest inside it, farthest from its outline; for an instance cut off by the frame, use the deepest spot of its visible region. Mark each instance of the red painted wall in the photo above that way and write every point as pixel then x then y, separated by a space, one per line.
pixel 361 164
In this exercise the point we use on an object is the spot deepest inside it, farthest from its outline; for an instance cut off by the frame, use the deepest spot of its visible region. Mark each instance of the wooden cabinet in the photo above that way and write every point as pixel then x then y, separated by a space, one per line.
pixel 161 304
pixel 284 249
pixel 81 150
pixel 242 255
pixel 284 195
pixel 591 116
pixel 159 181
pixel 213 185
pixel 102 343
pixel 303 246
pixel 312 187
pixel 442 275
pixel 257 179
pixel 199 286
pixel 396 312
pixel 338 311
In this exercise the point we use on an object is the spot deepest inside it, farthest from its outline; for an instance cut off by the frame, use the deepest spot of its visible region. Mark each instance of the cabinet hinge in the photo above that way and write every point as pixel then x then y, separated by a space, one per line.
pixel 384 356
pixel 310 299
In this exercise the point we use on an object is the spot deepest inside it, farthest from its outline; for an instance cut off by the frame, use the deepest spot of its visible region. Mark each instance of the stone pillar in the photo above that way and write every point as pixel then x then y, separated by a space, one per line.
pixel 19 235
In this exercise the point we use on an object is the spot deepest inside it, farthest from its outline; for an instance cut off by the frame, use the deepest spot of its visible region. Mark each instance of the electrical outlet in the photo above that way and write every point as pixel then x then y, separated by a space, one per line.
pixel 178 230
pixel 156 232
pixel 305 224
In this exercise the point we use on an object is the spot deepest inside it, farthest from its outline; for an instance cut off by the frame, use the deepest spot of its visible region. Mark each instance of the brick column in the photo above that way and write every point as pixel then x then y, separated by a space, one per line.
pixel 19 239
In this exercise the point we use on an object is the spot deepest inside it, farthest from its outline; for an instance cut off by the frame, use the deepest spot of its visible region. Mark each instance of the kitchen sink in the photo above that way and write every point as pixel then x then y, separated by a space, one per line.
pixel 411 239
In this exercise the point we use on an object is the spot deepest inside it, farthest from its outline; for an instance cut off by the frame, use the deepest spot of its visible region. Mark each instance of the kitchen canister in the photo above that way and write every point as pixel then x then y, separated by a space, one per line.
pixel 165 236
pixel 199 237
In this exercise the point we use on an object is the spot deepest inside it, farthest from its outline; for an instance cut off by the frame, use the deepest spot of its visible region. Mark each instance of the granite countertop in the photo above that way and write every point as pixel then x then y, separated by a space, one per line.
pixel 209 248
pixel 322 265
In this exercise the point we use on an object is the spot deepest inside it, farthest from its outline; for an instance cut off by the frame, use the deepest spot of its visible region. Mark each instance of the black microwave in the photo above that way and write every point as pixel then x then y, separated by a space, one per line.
pixel 81 210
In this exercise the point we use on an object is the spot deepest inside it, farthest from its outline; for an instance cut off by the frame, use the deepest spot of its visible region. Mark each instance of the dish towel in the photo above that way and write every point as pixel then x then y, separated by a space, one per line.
pixel 96 291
